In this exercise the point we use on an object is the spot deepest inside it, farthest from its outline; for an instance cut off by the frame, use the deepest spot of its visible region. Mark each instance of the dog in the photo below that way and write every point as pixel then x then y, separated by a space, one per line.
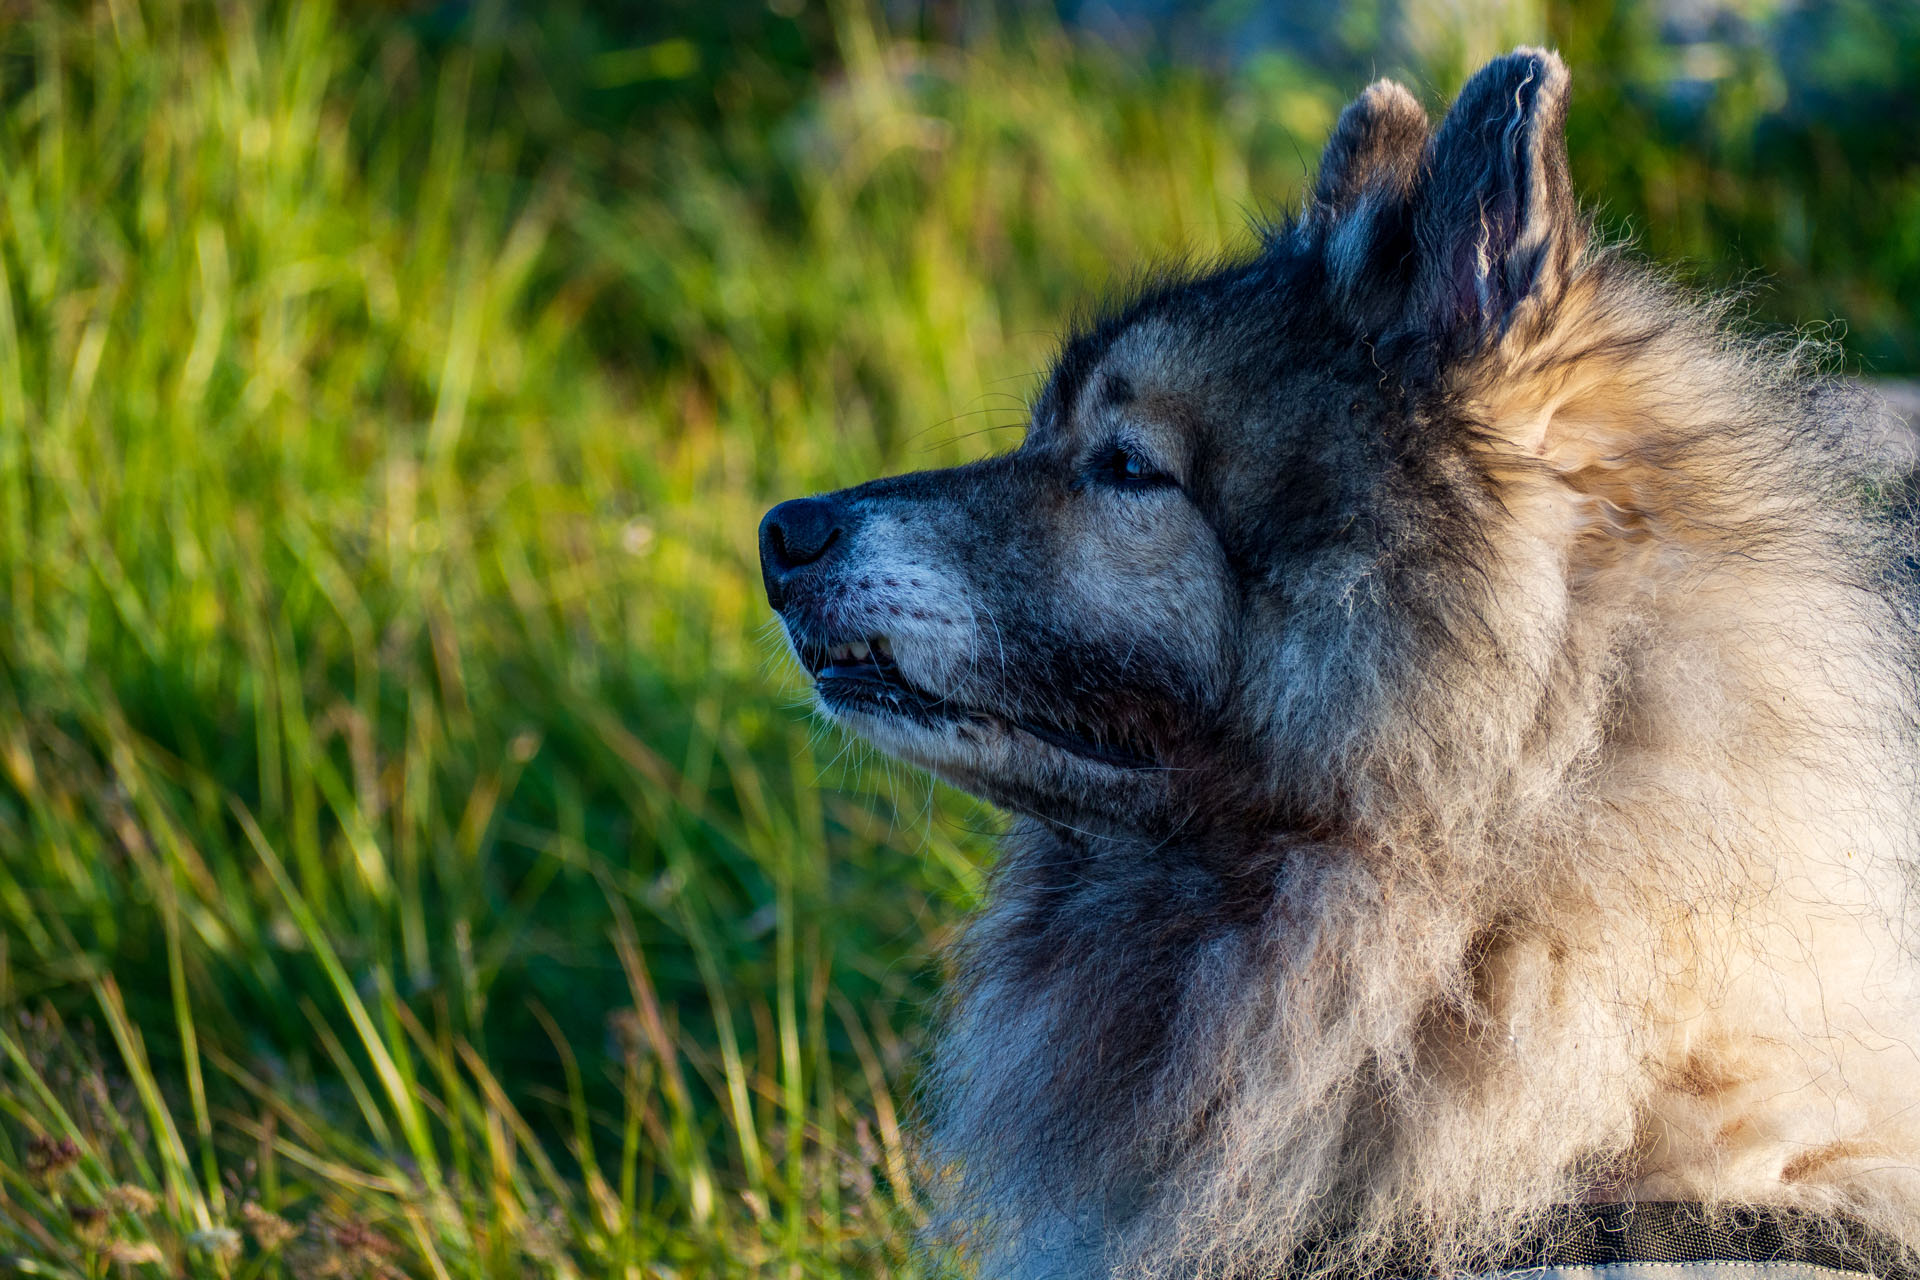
pixel 1456 695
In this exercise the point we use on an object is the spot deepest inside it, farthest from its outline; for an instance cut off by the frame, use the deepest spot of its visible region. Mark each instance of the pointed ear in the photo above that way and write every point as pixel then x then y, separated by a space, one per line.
pixel 1496 221
pixel 1377 144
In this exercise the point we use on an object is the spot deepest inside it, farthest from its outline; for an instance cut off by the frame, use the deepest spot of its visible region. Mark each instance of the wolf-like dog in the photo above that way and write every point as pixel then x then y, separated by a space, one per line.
pixel 1457 695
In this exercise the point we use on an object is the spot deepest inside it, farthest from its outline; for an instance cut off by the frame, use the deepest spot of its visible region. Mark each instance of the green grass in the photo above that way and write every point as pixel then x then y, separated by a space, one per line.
pixel 415 857
pixel 410 830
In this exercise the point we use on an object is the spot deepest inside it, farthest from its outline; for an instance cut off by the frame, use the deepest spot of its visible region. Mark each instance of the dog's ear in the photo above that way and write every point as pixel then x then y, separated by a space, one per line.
pixel 1376 146
pixel 1358 215
pixel 1495 219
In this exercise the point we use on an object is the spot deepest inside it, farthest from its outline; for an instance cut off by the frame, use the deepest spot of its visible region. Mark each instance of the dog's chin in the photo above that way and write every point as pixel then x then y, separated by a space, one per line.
pixel 1045 772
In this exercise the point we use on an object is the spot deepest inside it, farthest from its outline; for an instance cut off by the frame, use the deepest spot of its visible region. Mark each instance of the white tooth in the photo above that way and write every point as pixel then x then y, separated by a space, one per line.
pixel 883 647
pixel 860 650
pixel 840 653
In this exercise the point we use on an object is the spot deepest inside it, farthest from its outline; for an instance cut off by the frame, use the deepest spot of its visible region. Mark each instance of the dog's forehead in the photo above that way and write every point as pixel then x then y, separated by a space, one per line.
pixel 1144 364
pixel 1152 356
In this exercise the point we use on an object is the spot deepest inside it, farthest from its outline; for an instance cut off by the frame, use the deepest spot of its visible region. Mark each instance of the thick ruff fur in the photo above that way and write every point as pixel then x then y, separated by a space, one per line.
pixel 1463 734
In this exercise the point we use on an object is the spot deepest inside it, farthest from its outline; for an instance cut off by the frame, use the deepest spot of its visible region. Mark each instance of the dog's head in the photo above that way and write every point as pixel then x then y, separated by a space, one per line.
pixel 1242 498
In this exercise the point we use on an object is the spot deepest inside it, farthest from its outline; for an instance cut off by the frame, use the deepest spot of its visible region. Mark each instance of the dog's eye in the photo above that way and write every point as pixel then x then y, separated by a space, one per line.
pixel 1123 467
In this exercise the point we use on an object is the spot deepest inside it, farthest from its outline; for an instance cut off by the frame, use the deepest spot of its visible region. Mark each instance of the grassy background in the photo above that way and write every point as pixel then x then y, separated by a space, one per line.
pixel 414 857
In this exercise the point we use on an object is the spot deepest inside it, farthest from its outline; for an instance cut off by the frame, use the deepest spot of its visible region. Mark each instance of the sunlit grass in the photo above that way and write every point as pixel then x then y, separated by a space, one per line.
pixel 418 859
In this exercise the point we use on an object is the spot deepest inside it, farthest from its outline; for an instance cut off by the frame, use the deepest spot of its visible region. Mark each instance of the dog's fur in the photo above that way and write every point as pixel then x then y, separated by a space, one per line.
pixel 1459 699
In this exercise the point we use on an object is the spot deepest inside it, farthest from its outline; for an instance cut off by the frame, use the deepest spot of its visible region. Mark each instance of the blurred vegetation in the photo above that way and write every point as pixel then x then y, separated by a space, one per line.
pixel 417 858
pixel 1774 153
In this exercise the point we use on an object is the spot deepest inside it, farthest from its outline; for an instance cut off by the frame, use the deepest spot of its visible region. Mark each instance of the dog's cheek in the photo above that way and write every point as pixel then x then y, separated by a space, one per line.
pixel 1145 579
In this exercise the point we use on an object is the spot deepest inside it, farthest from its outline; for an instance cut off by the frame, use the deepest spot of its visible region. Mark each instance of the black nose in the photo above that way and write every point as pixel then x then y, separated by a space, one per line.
pixel 794 535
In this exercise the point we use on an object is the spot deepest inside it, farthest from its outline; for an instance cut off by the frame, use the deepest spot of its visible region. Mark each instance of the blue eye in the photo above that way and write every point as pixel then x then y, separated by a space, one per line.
pixel 1123 467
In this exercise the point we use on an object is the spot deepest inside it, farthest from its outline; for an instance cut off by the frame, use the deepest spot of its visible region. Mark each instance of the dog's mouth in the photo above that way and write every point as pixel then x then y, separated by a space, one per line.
pixel 860 676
